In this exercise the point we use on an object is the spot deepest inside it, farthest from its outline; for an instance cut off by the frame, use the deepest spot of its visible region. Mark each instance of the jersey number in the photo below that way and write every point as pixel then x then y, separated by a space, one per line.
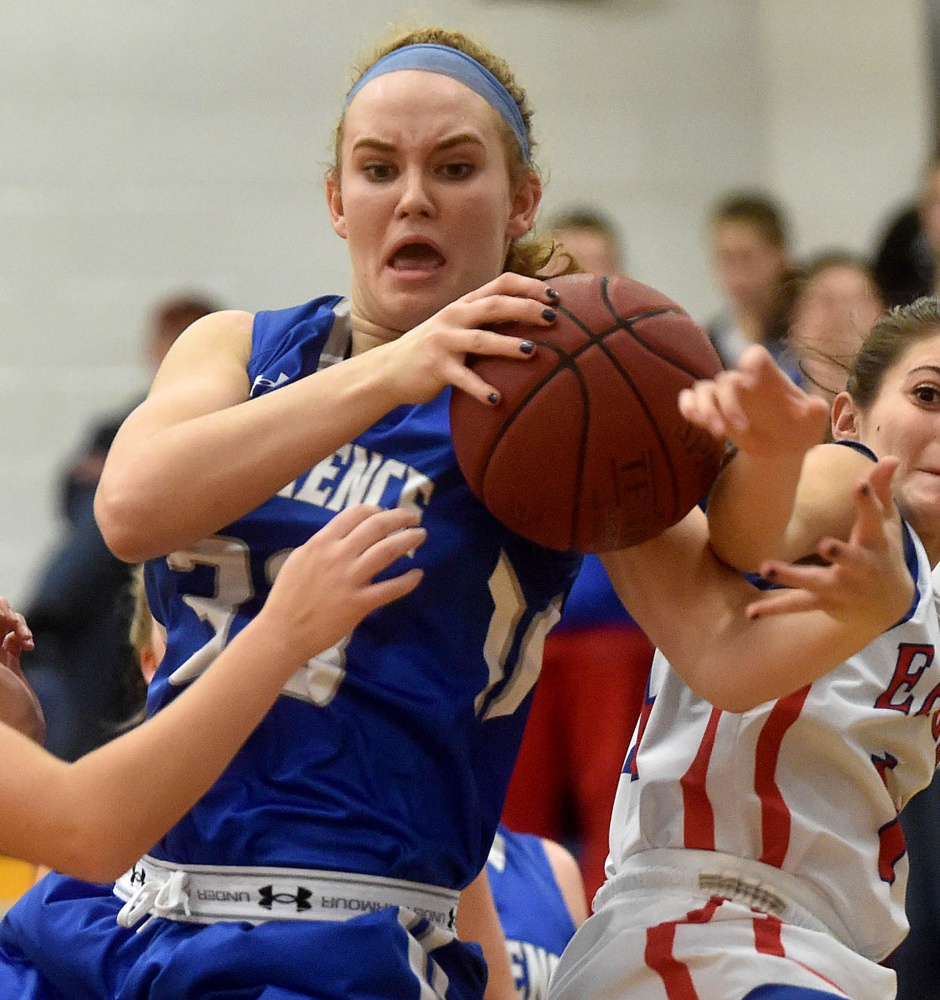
pixel 319 679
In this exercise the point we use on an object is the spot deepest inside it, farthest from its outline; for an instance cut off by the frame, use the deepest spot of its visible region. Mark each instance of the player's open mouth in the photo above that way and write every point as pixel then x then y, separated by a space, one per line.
pixel 419 257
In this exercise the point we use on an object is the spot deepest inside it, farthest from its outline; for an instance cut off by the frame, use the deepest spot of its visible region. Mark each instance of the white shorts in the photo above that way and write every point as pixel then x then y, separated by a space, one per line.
pixel 662 942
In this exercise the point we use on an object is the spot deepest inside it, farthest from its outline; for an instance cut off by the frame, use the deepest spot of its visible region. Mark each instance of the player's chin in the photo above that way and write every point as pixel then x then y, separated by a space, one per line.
pixel 409 304
pixel 920 502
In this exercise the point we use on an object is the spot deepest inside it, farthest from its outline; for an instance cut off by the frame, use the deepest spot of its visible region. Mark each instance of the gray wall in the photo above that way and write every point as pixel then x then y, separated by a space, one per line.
pixel 147 146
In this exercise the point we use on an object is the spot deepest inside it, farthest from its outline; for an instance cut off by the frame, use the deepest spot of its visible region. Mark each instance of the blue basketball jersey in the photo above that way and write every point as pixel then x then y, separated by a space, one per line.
pixel 533 913
pixel 390 753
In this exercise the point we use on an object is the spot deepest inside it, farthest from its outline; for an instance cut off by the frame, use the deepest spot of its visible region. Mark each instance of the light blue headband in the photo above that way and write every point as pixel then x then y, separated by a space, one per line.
pixel 458 66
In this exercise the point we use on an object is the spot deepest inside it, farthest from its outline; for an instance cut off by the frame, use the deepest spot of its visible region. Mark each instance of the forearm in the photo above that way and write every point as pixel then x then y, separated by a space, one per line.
pixel 694 609
pixel 751 507
pixel 746 663
pixel 92 820
pixel 233 458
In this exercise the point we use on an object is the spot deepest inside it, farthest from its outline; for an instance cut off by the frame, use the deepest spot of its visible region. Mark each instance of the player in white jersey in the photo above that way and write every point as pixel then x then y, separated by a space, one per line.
pixel 757 853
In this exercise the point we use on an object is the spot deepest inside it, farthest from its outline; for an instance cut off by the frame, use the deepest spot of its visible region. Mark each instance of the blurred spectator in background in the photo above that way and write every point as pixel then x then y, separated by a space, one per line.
pixel 81 607
pixel 907 257
pixel 837 302
pixel 594 668
pixel 750 248
pixel 592 239
pixel 903 264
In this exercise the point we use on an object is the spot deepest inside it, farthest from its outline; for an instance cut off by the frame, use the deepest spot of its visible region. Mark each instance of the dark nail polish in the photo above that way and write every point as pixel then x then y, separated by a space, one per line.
pixel 493 398
pixel 551 293
pixel 527 347
pixel 549 314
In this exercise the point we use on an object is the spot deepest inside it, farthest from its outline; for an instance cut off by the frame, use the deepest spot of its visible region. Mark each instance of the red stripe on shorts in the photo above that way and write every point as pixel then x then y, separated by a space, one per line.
pixel 659 957
pixel 768 940
pixel 775 815
pixel 767 937
pixel 698 815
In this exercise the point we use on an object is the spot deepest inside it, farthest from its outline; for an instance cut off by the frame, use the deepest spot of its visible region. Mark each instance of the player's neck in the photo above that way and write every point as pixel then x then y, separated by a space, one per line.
pixel 366 334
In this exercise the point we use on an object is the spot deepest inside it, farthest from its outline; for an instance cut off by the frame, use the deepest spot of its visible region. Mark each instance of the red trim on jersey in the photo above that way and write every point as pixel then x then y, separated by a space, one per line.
pixel 629 766
pixel 891 848
pixel 775 814
pixel 698 815
pixel 658 955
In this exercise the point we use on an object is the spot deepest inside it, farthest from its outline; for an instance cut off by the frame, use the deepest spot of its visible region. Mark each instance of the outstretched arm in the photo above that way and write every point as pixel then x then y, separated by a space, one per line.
pixel 782 491
pixel 733 645
pixel 92 818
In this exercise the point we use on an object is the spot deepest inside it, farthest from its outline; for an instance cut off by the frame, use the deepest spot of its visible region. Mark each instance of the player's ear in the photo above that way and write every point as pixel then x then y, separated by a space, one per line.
pixel 334 200
pixel 845 418
pixel 525 203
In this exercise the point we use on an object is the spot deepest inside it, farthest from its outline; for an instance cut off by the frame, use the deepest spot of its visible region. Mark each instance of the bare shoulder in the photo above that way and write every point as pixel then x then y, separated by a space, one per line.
pixel 568 876
pixel 825 497
pixel 836 457
pixel 219 335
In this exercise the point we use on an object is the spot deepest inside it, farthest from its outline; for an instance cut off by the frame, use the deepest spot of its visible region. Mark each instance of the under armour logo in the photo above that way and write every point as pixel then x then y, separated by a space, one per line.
pixel 137 875
pixel 262 382
pixel 269 897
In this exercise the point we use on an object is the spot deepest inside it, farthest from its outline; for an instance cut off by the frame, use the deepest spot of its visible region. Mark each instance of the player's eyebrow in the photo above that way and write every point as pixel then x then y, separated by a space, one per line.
pixel 380 146
pixel 935 369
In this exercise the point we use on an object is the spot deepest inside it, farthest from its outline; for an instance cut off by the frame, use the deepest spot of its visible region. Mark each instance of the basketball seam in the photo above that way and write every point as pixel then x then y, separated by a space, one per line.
pixel 568 364
pixel 597 339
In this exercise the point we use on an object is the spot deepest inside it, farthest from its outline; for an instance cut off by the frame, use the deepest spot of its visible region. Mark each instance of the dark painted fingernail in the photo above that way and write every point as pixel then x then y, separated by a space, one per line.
pixel 493 398
pixel 549 314
pixel 527 347
pixel 551 293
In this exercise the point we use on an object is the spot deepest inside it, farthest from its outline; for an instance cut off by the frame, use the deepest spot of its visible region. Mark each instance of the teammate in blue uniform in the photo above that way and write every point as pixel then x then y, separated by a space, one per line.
pixel 539 897
pixel 327 860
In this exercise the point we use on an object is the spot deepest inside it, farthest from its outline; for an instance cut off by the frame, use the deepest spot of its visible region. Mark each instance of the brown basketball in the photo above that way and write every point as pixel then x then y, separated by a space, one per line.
pixel 587 449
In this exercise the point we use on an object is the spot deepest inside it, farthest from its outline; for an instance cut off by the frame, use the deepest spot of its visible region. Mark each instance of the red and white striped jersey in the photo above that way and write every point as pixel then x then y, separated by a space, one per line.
pixel 810 784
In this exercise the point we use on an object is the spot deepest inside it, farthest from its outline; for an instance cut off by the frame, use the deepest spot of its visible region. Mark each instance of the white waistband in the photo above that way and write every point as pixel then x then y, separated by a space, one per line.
pixel 208 894
pixel 707 874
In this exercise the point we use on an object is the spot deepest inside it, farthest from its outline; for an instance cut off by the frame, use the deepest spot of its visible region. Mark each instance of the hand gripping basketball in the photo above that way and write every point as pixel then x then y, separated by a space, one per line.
pixel 586 449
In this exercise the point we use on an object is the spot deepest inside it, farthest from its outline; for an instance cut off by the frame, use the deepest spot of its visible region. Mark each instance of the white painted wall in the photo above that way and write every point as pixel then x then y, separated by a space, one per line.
pixel 147 145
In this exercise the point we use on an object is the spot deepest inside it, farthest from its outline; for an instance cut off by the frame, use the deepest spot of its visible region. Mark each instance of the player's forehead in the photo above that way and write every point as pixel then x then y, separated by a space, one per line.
pixel 418 107
pixel 920 356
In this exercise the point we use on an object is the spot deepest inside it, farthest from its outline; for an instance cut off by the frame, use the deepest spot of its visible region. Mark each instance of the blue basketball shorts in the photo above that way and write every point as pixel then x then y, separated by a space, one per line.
pixel 61 941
